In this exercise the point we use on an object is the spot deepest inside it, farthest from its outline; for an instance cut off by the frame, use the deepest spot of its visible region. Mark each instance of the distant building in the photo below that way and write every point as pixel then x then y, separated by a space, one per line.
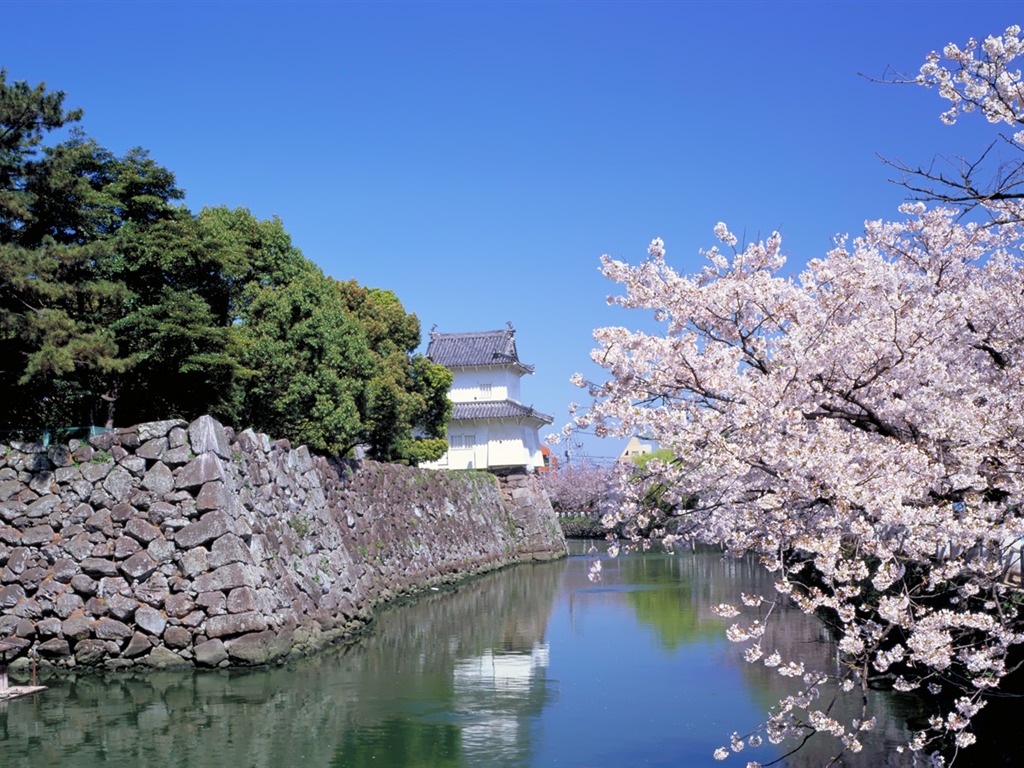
pixel 634 448
pixel 550 460
pixel 490 427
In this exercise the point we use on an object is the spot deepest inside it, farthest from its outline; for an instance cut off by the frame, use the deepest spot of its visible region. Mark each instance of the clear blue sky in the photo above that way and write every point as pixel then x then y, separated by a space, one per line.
pixel 478 157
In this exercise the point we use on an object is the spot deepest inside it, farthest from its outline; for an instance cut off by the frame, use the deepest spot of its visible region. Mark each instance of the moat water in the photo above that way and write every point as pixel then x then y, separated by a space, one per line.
pixel 531 666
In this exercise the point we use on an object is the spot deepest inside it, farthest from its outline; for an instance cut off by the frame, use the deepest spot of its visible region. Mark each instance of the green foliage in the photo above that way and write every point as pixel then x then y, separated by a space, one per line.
pixel 117 303
pixel 652 494
pixel 405 398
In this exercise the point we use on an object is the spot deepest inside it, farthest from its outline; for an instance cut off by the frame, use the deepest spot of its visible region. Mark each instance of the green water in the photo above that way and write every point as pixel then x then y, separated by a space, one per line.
pixel 531 666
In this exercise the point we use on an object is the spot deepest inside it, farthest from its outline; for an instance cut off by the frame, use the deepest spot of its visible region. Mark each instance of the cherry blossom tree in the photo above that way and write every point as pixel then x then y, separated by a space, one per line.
pixel 857 427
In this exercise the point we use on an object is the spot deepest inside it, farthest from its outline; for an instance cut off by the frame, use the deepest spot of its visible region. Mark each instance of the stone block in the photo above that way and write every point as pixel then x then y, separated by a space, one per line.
pixel 141 530
pixel 211 653
pixel 229 549
pixel 235 624
pixel 177 637
pixel 195 561
pixel 259 648
pixel 89 653
pixel 159 479
pixel 242 600
pixel 179 605
pixel 67 604
pixel 118 484
pixel 42 506
pixel 210 526
pixel 227 577
pixel 112 629
pixel 54 648
pixel 151 620
pixel 125 547
pixel 98 566
pixel 164 658
pixel 84 585
pixel 152 449
pixel 36 535
pixel 139 566
pixel 138 645
pixel 204 468
pixel 207 434
pixel 76 627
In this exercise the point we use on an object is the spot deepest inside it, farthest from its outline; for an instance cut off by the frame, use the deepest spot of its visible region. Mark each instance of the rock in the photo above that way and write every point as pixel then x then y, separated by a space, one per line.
pixel 211 653
pixel 158 479
pixel 242 600
pixel 177 637
pixel 118 484
pixel 9 489
pixel 125 547
pixel 258 648
pixel 137 646
pixel 227 577
pixel 178 605
pixel 154 590
pixel 122 513
pixel 139 566
pixel 195 561
pixel 229 549
pixel 112 629
pixel 54 648
pixel 164 658
pixel 98 566
pixel 64 569
pixel 36 535
pixel 151 620
pixel 42 506
pixel 152 449
pixel 76 627
pixel 78 547
pixel 157 429
pixel 67 604
pixel 162 550
pixel 206 434
pixel 95 471
pixel 135 465
pixel 90 652
pixel 42 483
pixel 31 577
pixel 210 526
pixel 84 585
pixel 121 607
pixel 234 624
pixel 177 455
pixel 9 535
pixel 213 495
pixel 213 602
pixel 204 468
pixel 140 530
pixel 48 627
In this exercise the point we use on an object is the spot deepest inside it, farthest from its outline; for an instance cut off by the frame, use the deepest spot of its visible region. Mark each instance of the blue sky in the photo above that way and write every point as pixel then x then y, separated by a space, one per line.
pixel 478 157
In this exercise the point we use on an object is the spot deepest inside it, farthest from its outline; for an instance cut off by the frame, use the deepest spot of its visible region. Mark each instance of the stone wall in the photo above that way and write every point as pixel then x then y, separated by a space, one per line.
pixel 171 544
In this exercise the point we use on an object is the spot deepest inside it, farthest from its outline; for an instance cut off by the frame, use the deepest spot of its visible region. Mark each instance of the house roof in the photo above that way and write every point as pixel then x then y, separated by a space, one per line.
pixel 455 350
pixel 497 409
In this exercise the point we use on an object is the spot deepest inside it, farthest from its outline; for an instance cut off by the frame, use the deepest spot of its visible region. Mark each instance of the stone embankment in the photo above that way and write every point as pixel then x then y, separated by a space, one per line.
pixel 171 544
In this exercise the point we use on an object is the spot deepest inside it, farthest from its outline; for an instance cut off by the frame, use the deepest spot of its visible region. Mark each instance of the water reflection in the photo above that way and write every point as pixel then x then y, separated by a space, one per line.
pixel 531 666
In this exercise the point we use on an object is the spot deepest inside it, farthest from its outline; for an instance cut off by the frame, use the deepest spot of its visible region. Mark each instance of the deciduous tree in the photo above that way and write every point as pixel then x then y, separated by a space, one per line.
pixel 857 428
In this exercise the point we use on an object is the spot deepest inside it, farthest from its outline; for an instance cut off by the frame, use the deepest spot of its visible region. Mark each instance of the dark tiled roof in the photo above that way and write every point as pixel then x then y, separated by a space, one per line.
pixel 454 350
pixel 497 409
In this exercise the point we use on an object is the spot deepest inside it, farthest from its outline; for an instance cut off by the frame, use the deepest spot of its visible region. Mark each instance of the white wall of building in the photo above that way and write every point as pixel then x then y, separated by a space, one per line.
pixel 479 384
